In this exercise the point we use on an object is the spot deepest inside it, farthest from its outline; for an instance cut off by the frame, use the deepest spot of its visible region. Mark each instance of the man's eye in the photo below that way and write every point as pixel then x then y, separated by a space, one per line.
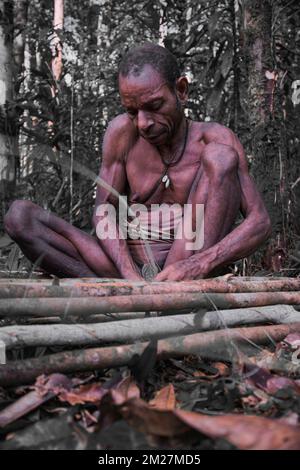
pixel 156 106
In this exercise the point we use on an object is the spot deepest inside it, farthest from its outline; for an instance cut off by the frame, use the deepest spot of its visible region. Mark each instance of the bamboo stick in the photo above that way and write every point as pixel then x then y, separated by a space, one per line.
pixel 209 344
pixel 141 329
pixel 139 303
pixel 96 287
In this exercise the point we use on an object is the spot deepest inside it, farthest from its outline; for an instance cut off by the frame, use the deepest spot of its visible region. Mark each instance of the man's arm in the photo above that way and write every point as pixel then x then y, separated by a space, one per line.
pixel 117 141
pixel 243 240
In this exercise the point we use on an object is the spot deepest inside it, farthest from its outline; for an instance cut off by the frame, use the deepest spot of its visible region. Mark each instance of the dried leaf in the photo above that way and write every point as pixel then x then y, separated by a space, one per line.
pixel 91 393
pixel 245 432
pixel 125 390
pixel 54 383
pixel 264 380
pixel 150 420
pixel 222 371
pixel 164 399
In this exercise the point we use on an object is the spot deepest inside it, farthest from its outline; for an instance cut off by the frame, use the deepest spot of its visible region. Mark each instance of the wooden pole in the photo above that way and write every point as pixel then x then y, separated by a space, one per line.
pixel 125 331
pixel 140 303
pixel 209 344
pixel 99 287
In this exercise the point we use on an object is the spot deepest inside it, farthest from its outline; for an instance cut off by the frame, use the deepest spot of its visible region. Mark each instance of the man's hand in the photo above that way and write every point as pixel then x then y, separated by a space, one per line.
pixel 174 272
pixel 132 275
pixel 196 267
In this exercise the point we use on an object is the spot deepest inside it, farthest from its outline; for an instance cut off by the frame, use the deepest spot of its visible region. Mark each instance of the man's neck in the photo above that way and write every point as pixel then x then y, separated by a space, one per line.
pixel 177 140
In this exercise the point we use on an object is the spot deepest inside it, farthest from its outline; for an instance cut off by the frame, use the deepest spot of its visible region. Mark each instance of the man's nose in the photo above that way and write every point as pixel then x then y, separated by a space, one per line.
pixel 144 121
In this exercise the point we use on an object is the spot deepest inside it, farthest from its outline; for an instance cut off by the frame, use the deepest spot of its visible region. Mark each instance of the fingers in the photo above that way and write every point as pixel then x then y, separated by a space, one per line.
pixel 162 276
pixel 169 274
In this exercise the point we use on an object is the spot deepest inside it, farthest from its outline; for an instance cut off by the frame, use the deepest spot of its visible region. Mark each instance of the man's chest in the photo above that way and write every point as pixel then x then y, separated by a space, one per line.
pixel 145 173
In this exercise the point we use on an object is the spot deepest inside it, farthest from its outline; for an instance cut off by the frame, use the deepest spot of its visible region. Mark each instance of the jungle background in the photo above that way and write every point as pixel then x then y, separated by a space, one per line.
pixel 58 89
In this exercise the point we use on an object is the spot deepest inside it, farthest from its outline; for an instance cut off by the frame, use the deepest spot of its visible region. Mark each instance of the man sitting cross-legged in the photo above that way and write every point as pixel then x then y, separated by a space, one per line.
pixel 154 155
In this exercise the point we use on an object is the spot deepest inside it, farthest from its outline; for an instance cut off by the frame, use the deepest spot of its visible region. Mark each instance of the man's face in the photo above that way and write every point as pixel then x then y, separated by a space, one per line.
pixel 151 104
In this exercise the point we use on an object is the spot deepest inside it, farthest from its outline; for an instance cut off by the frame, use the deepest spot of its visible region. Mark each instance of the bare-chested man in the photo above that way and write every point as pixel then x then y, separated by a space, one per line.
pixel 154 155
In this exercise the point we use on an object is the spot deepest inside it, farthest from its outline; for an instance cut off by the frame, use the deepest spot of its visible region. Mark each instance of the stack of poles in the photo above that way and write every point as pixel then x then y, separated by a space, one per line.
pixel 190 317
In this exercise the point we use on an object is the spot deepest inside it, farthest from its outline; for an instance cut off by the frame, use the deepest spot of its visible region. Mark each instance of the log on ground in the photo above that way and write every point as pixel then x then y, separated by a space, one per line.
pixel 210 344
pixel 98 287
pixel 140 303
pixel 125 331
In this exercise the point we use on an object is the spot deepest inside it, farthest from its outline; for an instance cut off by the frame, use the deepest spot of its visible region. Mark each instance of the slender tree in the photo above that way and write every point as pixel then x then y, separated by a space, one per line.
pixel 266 103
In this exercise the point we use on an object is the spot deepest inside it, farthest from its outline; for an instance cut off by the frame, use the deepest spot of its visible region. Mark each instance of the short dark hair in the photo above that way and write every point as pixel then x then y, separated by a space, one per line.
pixel 158 57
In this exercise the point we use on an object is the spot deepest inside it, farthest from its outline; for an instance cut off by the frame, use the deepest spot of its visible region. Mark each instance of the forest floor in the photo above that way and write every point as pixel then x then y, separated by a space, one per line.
pixel 189 403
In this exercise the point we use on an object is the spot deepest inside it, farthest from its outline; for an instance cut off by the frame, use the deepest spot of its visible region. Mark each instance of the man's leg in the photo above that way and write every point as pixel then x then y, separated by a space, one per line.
pixel 57 246
pixel 217 186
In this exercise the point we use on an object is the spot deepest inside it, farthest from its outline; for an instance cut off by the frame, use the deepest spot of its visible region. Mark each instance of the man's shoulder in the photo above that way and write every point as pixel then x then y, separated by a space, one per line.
pixel 215 132
pixel 120 136
pixel 121 125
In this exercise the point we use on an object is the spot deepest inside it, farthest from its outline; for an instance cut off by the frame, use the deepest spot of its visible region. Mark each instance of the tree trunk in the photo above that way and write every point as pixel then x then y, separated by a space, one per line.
pixel 268 143
pixel 20 22
pixel 56 45
pixel 56 51
pixel 7 124
pixel 19 67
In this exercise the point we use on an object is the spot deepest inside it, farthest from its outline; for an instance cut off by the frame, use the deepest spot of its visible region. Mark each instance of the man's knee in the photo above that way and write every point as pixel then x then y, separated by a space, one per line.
pixel 220 160
pixel 17 219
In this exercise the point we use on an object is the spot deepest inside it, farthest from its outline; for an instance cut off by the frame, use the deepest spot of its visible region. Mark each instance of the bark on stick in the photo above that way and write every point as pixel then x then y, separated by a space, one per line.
pixel 99 287
pixel 142 329
pixel 210 344
pixel 140 303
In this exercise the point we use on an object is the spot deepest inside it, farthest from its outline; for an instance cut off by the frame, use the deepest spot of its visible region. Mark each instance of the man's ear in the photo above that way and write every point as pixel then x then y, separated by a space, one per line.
pixel 182 87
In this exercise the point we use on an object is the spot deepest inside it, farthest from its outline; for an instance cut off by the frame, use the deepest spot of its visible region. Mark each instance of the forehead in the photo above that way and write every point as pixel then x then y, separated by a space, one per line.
pixel 148 85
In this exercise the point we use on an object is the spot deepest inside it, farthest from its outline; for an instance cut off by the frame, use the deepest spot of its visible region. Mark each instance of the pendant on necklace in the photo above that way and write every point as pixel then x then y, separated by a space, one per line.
pixel 165 179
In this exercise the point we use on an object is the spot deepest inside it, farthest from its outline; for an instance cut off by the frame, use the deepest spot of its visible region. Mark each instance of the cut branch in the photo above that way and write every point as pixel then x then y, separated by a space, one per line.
pixel 210 344
pixel 106 287
pixel 50 387
pixel 141 329
pixel 140 303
